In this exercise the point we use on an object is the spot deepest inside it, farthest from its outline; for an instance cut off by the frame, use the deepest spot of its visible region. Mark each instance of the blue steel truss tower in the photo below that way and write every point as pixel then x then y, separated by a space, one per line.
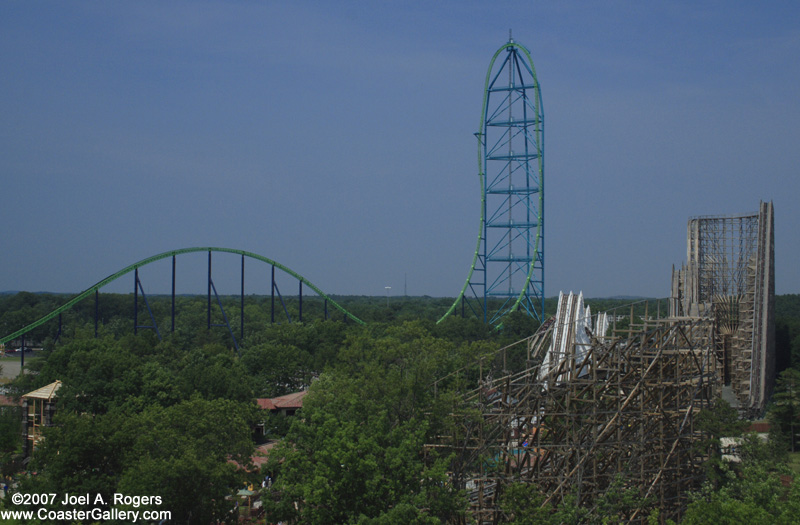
pixel 507 272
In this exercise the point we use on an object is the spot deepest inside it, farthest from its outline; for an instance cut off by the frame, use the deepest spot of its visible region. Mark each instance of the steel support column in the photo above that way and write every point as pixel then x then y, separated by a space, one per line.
pixel 507 272
pixel 136 301
pixel 172 310
pixel 96 310
pixel 241 312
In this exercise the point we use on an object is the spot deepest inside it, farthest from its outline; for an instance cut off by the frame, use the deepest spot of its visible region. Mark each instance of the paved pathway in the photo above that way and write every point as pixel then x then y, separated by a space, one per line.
pixel 10 369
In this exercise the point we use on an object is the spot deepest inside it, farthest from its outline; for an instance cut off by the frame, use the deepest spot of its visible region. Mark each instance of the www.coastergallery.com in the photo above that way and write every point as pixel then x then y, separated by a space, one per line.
pixel 96 514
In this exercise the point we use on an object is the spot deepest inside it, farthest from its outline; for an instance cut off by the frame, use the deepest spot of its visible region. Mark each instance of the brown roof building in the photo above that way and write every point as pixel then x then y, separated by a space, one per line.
pixel 286 405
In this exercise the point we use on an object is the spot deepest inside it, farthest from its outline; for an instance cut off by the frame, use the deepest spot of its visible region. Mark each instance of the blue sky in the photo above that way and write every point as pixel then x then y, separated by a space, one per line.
pixel 337 137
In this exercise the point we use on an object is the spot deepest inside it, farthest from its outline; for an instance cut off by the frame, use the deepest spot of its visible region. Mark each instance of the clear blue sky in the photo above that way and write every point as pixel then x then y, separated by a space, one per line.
pixel 337 137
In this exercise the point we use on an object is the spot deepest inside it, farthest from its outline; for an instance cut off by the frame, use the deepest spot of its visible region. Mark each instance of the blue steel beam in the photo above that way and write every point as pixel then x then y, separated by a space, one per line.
pixel 509 256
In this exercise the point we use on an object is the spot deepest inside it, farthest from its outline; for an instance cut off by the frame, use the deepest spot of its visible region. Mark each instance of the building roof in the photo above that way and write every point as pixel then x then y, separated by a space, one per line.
pixel 47 392
pixel 265 403
pixel 294 400
pixel 287 402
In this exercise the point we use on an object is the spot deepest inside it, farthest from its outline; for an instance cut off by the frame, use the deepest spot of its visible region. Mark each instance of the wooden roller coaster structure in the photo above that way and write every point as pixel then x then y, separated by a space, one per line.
pixel 606 407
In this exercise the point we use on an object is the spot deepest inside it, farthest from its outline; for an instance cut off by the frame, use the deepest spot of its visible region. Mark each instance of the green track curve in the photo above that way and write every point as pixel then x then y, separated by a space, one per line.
pixel 481 176
pixel 86 293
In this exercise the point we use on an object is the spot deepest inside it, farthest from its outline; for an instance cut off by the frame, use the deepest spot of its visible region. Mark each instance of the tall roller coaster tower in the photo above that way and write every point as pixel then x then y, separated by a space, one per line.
pixel 507 271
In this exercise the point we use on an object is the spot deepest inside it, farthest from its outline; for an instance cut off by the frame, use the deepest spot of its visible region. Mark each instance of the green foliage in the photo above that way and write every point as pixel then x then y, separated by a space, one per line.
pixel 10 438
pixel 179 452
pixel 23 308
pixel 459 329
pixel 317 343
pixel 345 465
pixel 754 494
pixel 276 425
pixel 355 455
pixel 787 306
pixel 142 415
pixel 784 413
pixel 131 373
pixel 81 454
pixel 523 504
pixel 261 323
pixel 721 420
pixel 277 369
pixel 787 331
pixel 618 502
pixel 793 460
pixel 135 414
pixel 751 491
pixel 517 325
pixel 214 373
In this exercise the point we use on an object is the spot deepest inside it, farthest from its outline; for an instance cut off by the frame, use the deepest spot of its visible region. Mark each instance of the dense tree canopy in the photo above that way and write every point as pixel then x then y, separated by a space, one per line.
pixel 785 409
pixel 357 453
pixel 180 453
pixel 750 492
pixel 175 416
pixel 140 414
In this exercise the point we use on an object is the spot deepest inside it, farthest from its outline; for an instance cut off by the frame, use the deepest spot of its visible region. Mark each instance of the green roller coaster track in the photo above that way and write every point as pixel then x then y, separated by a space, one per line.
pixel 86 293
pixel 482 175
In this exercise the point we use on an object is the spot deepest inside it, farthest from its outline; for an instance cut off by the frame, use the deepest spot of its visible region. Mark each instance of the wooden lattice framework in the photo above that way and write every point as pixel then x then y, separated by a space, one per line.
pixel 622 405
pixel 37 413
pixel 730 275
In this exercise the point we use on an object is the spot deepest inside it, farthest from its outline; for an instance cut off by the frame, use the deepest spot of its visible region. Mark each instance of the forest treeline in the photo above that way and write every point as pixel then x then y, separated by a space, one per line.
pixel 115 312
pixel 175 416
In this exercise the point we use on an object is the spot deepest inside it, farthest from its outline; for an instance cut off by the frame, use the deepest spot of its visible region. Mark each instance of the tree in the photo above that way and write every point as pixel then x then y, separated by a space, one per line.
pixel 81 454
pixel 214 373
pixel 348 458
pixel 96 374
pixel 785 411
pixel 752 491
pixel 277 369
pixel 754 495
pixel 523 505
pixel 355 454
pixel 181 453
pixel 10 438
pixel 618 502
pixel 721 420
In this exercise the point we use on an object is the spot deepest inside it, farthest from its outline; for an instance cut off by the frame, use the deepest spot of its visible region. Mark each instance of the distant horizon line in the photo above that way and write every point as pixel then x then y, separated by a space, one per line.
pixel 378 296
